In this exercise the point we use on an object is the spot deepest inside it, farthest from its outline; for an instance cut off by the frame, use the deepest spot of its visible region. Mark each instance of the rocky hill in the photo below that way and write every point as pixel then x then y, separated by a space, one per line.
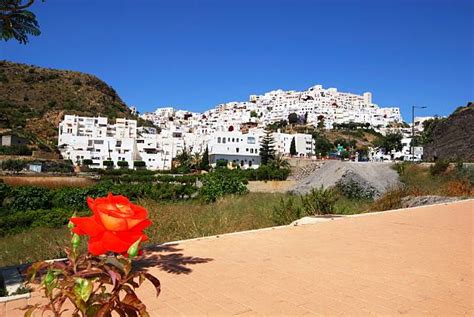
pixel 453 137
pixel 33 100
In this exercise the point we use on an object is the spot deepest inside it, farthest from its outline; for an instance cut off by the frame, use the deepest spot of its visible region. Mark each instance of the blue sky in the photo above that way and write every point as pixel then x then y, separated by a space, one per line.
pixel 196 54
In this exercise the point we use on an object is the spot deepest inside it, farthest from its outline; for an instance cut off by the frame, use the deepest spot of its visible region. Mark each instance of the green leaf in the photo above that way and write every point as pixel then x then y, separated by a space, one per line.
pixel 83 289
pixel 92 310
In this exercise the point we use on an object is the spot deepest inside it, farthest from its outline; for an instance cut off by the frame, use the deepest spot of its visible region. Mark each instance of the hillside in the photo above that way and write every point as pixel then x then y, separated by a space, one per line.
pixel 453 137
pixel 33 100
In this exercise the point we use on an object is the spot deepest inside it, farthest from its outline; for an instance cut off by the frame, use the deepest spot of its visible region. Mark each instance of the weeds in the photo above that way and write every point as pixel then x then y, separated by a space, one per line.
pixel 320 201
pixel 286 212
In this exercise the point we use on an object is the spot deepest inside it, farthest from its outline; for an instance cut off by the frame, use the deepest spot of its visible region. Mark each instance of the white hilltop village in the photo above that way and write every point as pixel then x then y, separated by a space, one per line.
pixel 230 131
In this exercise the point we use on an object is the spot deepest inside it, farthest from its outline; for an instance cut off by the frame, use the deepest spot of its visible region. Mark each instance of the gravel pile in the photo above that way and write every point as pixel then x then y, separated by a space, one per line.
pixel 415 201
pixel 303 172
pixel 375 177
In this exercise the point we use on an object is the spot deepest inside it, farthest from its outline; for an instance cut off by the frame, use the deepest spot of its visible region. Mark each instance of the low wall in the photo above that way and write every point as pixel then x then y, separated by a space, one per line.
pixel 270 186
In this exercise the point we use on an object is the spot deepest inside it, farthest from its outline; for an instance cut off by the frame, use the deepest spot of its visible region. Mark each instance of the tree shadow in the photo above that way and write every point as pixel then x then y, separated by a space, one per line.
pixel 171 262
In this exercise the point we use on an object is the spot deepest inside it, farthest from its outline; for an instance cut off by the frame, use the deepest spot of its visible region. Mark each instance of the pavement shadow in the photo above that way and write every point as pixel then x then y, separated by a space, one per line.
pixel 167 258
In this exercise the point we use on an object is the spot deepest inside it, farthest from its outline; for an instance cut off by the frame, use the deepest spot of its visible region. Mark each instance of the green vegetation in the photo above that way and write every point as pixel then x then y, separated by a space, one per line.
pixel 171 221
pixel 32 220
pixel 15 150
pixel 320 201
pixel 267 148
pixel 220 183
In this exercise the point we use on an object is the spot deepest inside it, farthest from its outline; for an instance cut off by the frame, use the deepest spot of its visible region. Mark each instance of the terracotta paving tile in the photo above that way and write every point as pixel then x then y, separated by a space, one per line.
pixel 411 262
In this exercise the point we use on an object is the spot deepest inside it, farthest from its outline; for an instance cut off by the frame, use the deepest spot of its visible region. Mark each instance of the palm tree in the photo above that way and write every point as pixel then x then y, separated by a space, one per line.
pixel 16 22
pixel 280 162
pixel 196 159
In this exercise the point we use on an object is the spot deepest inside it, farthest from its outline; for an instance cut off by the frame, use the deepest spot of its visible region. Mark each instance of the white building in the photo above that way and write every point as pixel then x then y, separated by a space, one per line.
pixel 82 138
pixel 235 147
pixel 304 143
pixel 316 104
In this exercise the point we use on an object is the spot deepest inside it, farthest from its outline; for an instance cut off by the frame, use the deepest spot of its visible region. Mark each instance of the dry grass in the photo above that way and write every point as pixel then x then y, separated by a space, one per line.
pixel 456 188
pixel 48 181
pixel 171 221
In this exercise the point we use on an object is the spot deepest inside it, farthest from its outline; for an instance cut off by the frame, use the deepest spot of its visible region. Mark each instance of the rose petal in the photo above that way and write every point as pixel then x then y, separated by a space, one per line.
pixel 113 223
pixel 112 242
pixel 87 225
pixel 141 225
pixel 96 246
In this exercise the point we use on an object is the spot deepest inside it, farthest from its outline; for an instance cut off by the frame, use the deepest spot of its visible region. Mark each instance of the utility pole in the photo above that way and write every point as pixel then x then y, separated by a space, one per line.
pixel 413 131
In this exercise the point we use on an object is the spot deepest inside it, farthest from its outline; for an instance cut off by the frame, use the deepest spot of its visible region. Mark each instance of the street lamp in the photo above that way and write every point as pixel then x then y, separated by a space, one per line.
pixel 413 130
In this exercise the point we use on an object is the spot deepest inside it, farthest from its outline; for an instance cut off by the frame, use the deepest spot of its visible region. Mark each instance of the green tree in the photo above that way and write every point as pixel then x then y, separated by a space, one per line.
pixel 320 122
pixel 293 147
pixel 279 162
pixel 322 145
pixel 16 22
pixel 389 142
pixel 253 114
pixel 292 118
pixel 267 148
pixel 205 160
pixel 183 161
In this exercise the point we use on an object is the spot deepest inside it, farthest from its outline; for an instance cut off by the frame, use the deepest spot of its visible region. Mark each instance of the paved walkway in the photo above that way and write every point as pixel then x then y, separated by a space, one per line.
pixel 415 261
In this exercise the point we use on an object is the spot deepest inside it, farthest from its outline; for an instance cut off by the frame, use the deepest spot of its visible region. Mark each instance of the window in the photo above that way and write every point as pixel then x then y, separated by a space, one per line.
pixel 251 140
pixel 233 139
pixel 219 140
pixel 237 150
pixel 223 140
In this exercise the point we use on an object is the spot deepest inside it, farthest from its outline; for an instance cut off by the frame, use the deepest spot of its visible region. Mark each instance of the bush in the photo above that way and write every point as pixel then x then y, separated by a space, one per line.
pixel 13 165
pixel 21 221
pixel 28 198
pixel 286 212
pixel 353 189
pixel 319 201
pixel 122 164
pixel 87 162
pixel 439 167
pixel 15 150
pixel 139 164
pixel 108 164
pixel 391 199
pixel 220 183
pixel 221 163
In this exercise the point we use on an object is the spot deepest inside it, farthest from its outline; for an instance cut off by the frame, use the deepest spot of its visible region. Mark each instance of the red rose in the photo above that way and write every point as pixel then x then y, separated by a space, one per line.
pixel 115 225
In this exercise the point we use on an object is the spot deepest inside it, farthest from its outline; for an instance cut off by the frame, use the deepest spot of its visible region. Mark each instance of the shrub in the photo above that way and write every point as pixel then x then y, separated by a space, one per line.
pixel 4 191
pixel 87 162
pixel 139 164
pixel 391 199
pixel 354 189
pixel 15 150
pixel 401 167
pixel 439 167
pixel 286 212
pixel 21 221
pixel 220 183
pixel 458 187
pixel 28 198
pixel 319 201
pixel 13 165
pixel 221 163
pixel 108 164
pixel 122 164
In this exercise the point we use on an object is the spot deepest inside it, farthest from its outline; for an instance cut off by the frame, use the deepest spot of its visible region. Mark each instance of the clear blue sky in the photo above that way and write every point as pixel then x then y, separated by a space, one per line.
pixel 196 54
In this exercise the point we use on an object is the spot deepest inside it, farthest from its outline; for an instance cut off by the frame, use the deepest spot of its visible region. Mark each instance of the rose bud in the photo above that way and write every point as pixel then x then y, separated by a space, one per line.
pixel 133 250
pixel 75 241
